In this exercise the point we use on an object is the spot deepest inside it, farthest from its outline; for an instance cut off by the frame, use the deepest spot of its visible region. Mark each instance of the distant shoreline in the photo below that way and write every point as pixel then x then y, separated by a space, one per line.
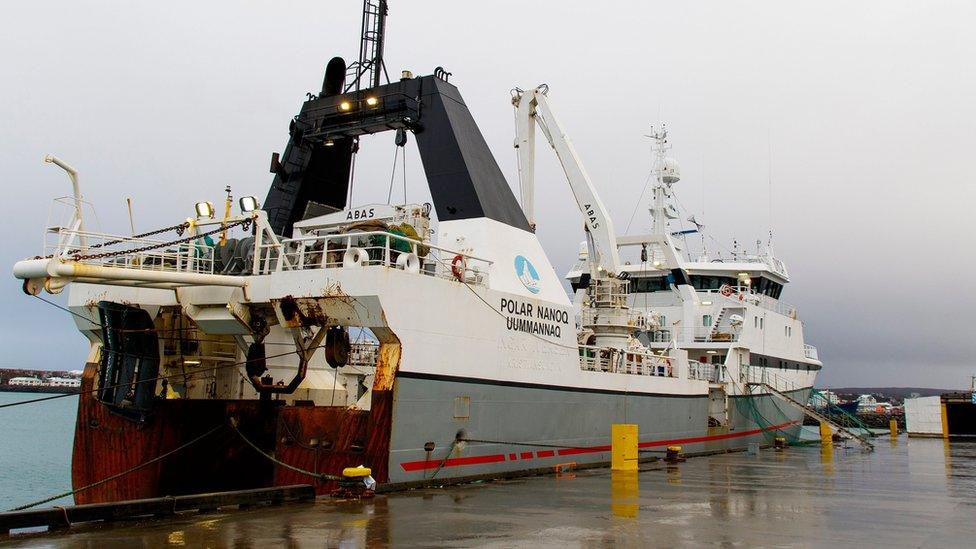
pixel 27 389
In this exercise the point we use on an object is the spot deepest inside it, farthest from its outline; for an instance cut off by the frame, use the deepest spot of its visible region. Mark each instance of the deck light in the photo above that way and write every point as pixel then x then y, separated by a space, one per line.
pixel 248 203
pixel 372 101
pixel 712 352
pixel 706 302
pixel 191 362
pixel 345 106
pixel 205 209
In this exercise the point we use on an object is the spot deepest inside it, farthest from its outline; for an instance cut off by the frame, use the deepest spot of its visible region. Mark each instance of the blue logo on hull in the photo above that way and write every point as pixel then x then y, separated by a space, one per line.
pixel 527 274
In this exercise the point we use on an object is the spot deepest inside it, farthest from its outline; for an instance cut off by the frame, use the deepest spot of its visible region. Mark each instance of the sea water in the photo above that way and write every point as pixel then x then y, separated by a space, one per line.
pixel 35 448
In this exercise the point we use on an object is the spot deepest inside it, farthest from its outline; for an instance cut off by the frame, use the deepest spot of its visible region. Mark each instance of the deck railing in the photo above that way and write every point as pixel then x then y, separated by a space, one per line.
pixel 371 248
pixel 597 359
pixel 809 351
pixel 110 250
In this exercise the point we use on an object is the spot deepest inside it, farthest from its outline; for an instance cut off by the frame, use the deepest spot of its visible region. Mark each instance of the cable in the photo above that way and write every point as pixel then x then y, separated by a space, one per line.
pixel 65 309
pixel 119 475
pixel 320 476
pixel 389 196
pixel 637 206
pixel 403 162
pixel 501 314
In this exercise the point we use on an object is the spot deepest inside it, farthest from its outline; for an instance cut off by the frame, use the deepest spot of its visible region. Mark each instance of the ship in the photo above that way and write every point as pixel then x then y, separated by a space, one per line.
pixel 280 342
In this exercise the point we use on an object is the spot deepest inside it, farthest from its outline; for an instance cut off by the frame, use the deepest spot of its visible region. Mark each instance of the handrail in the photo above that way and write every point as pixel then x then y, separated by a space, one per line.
pixel 327 237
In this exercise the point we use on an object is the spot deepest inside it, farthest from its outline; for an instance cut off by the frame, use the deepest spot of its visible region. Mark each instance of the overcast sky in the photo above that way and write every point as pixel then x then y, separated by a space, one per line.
pixel 861 114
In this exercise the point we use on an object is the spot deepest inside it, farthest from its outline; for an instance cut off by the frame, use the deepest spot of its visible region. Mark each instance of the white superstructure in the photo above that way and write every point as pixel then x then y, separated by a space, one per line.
pixel 725 313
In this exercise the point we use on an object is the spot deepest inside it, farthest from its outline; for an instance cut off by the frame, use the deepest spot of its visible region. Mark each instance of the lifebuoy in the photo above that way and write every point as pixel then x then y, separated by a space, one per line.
pixel 726 290
pixel 458 267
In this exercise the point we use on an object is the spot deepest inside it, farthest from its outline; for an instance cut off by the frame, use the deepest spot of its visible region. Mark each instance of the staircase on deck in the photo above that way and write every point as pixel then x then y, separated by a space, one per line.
pixel 812 412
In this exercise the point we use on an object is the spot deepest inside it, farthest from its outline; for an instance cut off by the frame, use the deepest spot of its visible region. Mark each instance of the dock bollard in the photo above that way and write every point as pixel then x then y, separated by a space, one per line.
pixel 673 454
pixel 623 447
pixel 893 427
pixel 779 443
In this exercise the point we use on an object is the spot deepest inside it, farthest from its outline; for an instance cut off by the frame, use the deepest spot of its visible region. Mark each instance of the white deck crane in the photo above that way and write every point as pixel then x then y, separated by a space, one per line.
pixel 605 311
pixel 532 107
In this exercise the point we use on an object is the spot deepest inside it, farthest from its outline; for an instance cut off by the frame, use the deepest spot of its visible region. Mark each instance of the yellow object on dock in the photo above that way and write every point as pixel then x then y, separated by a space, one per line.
pixel 826 434
pixel 356 472
pixel 623 447
pixel 893 427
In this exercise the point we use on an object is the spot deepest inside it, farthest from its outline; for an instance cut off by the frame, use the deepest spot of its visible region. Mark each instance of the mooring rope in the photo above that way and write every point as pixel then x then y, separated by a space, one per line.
pixel 320 476
pixel 122 474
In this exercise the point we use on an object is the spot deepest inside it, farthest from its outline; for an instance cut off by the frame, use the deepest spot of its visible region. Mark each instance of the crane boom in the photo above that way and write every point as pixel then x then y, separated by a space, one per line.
pixel 532 107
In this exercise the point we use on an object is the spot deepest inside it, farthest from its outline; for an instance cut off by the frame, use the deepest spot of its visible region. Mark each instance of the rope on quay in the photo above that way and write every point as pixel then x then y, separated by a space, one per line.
pixel 122 474
pixel 320 476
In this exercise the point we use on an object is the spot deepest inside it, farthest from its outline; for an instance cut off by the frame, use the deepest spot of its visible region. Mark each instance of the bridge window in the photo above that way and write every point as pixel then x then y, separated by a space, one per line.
pixel 646 284
pixel 706 320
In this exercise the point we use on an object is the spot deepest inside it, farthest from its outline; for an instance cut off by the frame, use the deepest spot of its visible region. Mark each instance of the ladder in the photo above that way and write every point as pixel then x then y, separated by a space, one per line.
pixel 717 323
pixel 810 411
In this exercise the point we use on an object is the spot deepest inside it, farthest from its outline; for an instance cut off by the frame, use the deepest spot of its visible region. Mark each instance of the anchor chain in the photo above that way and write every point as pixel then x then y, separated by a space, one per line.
pixel 244 223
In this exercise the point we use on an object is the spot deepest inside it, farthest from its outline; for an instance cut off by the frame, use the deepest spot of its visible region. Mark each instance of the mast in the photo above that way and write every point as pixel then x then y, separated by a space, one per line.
pixel 372 38
pixel 665 172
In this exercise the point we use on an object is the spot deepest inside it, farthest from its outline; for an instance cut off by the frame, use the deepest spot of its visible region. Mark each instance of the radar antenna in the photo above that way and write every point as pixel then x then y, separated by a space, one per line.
pixel 371 41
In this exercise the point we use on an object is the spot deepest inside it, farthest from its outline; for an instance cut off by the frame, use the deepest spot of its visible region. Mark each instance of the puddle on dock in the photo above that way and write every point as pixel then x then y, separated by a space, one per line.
pixel 913 492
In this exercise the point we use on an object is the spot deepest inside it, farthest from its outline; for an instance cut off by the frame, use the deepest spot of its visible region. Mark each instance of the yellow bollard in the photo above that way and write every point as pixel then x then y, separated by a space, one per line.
pixel 893 427
pixel 623 447
pixel 826 434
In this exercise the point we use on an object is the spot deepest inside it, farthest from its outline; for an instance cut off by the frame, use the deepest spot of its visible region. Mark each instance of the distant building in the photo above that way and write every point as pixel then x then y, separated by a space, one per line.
pixel 867 403
pixel 824 398
pixel 63 382
pixel 25 382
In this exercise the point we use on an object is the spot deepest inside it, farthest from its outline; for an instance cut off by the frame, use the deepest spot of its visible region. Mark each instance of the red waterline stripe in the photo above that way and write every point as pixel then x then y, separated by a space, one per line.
pixel 511 457
pixel 411 466
pixel 452 462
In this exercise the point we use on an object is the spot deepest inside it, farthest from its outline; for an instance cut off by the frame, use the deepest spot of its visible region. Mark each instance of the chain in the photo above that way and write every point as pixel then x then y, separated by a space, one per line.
pixel 246 223
pixel 179 228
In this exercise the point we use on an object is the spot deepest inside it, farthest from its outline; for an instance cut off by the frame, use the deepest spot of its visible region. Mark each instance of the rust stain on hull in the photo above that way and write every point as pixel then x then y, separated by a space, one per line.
pixel 106 444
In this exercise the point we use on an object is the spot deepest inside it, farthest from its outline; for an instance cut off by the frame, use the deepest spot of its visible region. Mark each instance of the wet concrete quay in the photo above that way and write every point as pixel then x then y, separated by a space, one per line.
pixel 910 493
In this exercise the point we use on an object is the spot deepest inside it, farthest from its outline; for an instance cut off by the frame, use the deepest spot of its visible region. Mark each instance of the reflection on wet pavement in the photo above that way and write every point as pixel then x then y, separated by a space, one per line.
pixel 914 492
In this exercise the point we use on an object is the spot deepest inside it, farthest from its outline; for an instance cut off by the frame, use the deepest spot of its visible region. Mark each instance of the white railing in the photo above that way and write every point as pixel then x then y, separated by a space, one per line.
pixel 363 355
pixel 809 351
pixel 713 373
pixel 109 250
pixel 760 300
pixel 695 334
pixel 597 359
pixel 760 374
pixel 371 248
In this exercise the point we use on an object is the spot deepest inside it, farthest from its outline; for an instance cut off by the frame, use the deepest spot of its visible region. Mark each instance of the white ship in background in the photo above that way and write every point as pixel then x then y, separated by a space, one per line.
pixel 724 312
pixel 236 334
